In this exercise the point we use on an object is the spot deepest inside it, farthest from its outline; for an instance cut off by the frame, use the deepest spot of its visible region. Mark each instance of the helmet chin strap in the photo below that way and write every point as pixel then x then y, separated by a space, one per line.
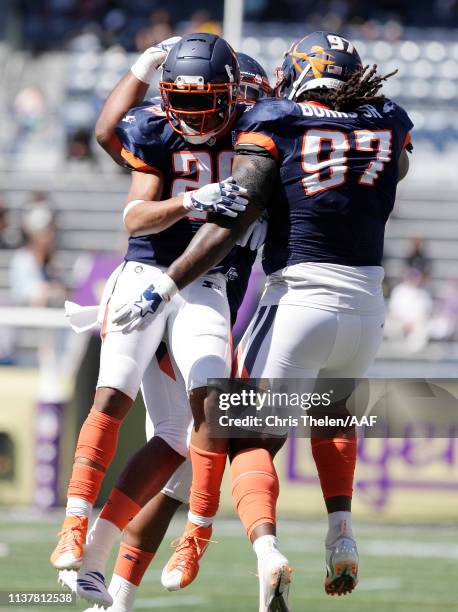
pixel 297 83
pixel 299 87
pixel 194 137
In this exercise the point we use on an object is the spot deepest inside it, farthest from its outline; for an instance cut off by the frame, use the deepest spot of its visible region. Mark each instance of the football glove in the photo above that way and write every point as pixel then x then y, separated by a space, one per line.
pixel 226 198
pixel 255 235
pixel 152 59
pixel 137 313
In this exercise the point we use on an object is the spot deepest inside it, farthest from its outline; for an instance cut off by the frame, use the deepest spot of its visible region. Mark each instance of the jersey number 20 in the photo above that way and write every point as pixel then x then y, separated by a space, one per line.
pixel 194 169
pixel 330 172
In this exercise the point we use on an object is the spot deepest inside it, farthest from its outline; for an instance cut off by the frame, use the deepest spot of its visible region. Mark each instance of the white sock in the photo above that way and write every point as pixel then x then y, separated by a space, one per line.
pixel 264 545
pixel 123 593
pixel 200 521
pixel 78 507
pixel 100 541
pixel 339 525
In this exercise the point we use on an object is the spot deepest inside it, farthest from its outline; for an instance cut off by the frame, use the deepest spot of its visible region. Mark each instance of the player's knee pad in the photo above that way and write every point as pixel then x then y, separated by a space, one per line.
pixel 335 460
pixel 207 366
pixel 98 438
pixel 255 487
pixel 120 372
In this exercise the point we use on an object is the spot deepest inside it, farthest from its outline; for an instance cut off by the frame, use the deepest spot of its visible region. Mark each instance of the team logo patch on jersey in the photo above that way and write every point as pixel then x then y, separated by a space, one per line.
pixel 388 107
pixel 232 274
pixel 129 119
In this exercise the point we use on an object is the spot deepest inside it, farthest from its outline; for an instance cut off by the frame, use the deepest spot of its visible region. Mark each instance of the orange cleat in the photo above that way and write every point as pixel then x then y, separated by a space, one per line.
pixel 183 565
pixel 341 567
pixel 69 551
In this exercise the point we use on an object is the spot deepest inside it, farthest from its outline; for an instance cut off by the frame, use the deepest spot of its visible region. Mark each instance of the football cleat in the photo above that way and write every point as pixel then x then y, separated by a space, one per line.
pixel 183 565
pixel 87 585
pixel 67 578
pixel 68 554
pixel 341 566
pixel 274 574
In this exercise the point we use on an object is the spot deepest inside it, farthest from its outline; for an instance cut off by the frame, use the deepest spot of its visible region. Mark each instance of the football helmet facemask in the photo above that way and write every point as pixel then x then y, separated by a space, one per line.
pixel 199 86
pixel 254 83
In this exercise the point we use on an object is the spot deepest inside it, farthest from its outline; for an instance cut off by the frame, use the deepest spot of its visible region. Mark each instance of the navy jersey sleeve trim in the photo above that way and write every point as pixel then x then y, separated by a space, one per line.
pixel 257 141
pixel 137 163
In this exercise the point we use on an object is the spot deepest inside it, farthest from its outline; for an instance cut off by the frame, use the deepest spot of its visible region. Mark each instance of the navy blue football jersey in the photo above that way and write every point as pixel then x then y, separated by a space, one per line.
pixel 238 276
pixel 149 144
pixel 338 178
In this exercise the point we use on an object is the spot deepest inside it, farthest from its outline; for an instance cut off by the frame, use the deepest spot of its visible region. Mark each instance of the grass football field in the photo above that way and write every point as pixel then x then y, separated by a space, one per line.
pixel 403 568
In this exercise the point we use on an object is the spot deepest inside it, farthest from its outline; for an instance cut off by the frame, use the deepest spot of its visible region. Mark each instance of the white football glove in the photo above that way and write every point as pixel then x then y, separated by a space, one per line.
pixel 152 59
pixel 255 235
pixel 138 312
pixel 226 198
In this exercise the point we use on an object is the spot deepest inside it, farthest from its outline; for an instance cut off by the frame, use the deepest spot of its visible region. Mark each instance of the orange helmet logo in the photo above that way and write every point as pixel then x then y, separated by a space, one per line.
pixel 318 64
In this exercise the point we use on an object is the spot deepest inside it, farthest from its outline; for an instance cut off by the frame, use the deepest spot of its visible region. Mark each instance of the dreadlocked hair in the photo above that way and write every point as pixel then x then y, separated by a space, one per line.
pixel 361 88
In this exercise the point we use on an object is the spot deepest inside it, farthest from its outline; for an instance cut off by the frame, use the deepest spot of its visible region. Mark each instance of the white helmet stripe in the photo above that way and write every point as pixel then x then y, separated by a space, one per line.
pixel 297 83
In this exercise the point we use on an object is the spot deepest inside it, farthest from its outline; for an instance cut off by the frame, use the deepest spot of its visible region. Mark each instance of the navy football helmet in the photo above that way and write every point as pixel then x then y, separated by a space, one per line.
pixel 199 86
pixel 254 83
pixel 320 60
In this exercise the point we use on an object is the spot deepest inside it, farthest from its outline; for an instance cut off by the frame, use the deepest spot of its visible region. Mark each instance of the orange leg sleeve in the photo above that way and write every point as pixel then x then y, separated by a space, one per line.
pixel 207 474
pixel 132 563
pixel 98 438
pixel 97 442
pixel 119 509
pixel 335 460
pixel 85 482
pixel 255 487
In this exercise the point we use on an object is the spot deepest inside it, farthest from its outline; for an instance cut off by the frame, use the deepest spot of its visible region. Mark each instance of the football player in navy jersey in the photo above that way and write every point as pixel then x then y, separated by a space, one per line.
pixel 170 188
pixel 168 414
pixel 331 149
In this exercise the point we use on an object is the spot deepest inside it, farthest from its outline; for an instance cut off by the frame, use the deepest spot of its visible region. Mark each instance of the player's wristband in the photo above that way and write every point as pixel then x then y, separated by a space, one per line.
pixel 166 287
pixel 147 64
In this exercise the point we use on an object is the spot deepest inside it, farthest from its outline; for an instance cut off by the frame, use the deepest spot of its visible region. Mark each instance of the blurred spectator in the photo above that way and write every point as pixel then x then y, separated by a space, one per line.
pixel 159 30
pixel 161 24
pixel 87 39
pixel 202 21
pixel 33 280
pixel 30 110
pixel 409 311
pixel 10 237
pixel 79 145
pixel 38 200
pixel 417 258
pixel 444 325
pixel 49 23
